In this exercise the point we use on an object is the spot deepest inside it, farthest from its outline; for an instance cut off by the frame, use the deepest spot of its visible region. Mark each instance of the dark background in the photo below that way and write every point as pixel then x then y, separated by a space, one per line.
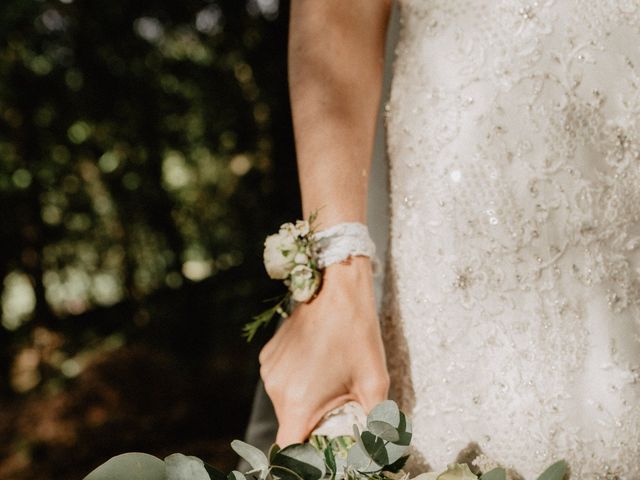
pixel 145 152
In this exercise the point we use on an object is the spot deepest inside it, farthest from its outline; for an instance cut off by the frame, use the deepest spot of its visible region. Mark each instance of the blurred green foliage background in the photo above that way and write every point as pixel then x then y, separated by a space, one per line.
pixel 145 153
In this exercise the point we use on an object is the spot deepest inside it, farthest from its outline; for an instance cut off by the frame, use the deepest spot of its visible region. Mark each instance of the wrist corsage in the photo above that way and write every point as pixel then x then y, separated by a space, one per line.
pixel 297 254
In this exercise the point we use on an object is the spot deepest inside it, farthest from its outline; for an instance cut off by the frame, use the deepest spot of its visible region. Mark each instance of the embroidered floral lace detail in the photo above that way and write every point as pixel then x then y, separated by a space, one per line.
pixel 512 315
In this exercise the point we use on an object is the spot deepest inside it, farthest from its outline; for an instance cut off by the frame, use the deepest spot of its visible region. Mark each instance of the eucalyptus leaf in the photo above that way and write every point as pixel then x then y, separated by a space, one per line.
pixel 356 435
pixel 236 475
pixel 183 467
pixel 275 448
pixel 254 457
pixel 495 474
pixel 303 459
pixel 395 452
pixel 284 473
pixel 384 430
pixel 557 471
pixel 214 473
pixel 341 464
pixel 384 421
pixel 396 466
pixel 360 460
pixel 130 466
pixel 404 430
pixel 387 412
pixel 375 448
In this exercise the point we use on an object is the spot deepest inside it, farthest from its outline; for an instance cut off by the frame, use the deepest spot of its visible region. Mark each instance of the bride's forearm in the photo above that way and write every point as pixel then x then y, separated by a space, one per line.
pixel 336 51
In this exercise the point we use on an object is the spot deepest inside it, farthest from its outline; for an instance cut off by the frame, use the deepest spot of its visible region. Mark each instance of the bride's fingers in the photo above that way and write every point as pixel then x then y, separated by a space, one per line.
pixel 298 422
pixel 267 352
pixel 273 345
pixel 372 390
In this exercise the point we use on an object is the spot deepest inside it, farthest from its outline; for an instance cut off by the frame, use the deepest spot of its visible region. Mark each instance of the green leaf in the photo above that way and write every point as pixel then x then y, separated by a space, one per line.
pixel 275 448
pixel 330 460
pixel 384 421
pixel 183 467
pixel 495 474
pixel 254 457
pixel 303 459
pixel 214 473
pixel 130 466
pixel 261 320
pixel 396 466
pixel 320 442
pixel 395 452
pixel 557 471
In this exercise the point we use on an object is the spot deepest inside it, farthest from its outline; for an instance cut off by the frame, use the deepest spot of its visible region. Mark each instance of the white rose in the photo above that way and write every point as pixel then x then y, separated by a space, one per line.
pixel 304 283
pixel 280 250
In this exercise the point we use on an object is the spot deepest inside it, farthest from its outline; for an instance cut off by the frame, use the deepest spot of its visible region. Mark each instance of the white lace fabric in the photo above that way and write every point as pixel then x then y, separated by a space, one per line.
pixel 512 308
pixel 343 240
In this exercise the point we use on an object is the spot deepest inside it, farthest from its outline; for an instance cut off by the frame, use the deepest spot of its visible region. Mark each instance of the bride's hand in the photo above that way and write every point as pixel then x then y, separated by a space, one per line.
pixel 329 351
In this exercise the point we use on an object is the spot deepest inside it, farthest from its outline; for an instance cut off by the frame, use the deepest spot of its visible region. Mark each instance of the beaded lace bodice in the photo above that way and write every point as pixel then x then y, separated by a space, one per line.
pixel 512 314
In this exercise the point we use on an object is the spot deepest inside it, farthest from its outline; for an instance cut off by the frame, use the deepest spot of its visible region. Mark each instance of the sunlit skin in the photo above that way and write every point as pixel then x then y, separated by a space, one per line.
pixel 330 350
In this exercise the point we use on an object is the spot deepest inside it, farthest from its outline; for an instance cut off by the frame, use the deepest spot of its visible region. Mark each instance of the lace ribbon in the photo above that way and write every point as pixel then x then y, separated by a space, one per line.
pixel 343 240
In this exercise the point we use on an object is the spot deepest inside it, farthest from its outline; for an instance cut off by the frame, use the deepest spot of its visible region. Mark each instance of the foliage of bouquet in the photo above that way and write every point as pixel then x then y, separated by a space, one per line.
pixel 379 452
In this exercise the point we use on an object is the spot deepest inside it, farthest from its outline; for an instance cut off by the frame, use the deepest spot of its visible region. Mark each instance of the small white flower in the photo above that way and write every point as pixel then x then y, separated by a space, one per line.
pixel 301 259
pixel 303 228
pixel 280 250
pixel 288 229
pixel 304 283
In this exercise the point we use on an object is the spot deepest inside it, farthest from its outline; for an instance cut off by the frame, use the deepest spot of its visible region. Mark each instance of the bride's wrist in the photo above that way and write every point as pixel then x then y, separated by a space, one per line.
pixel 354 267
pixel 354 272
pixel 339 259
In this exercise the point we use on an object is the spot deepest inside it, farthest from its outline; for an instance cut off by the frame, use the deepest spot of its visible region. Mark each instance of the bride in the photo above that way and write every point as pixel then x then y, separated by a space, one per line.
pixel 511 311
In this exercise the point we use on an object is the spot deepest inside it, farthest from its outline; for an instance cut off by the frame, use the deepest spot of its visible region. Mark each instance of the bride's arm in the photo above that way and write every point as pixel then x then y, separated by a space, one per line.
pixel 336 56
pixel 329 350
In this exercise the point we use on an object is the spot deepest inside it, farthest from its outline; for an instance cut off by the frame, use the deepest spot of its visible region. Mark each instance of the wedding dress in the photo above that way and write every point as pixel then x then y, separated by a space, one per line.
pixel 512 306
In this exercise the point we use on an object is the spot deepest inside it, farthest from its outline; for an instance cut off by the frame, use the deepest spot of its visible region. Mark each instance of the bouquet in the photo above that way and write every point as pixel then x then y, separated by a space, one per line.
pixel 377 451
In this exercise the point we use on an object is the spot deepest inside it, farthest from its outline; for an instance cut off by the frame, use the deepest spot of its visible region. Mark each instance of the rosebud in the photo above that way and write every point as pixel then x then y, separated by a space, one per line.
pixel 304 283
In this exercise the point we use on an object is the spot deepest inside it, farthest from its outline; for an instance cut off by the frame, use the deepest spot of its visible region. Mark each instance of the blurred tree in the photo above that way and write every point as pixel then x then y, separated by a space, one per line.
pixel 145 153
pixel 144 146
